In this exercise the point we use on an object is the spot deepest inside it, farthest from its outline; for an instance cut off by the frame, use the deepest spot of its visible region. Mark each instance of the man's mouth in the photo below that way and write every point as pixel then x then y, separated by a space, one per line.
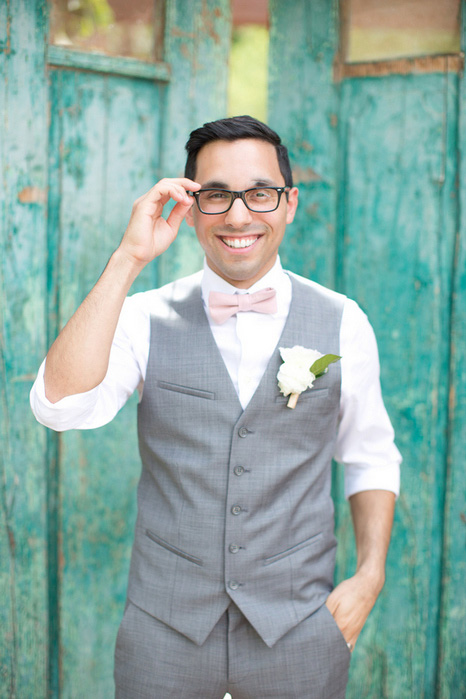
pixel 238 243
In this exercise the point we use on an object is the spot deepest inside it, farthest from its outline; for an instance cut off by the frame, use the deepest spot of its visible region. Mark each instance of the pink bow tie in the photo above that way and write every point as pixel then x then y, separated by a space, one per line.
pixel 223 306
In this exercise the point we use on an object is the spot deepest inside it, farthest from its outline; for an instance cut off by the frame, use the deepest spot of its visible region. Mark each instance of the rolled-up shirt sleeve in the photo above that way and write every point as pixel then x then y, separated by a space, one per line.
pixel 365 442
pixel 126 373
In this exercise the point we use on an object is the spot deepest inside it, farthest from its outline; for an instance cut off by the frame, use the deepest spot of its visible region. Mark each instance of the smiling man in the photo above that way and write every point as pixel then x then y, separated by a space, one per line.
pixel 231 580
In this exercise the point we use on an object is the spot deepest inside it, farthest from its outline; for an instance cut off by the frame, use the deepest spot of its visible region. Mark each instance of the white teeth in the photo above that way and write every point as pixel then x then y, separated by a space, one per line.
pixel 239 242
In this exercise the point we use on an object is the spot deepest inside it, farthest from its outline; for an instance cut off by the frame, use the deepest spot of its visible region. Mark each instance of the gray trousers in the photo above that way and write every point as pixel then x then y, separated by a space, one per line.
pixel 152 661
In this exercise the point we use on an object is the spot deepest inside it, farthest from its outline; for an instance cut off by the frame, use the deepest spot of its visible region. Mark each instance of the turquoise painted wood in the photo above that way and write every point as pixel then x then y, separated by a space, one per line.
pixel 381 168
pixel 197 43
pixel 451 672
pixel 80 140
pixel 23 511
pixel 104 150
pixel 377 165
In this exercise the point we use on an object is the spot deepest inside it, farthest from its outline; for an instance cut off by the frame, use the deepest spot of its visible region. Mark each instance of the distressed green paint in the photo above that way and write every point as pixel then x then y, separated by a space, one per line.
pixel 380 166
pixel 197 49
pixel 68 501
pixel 105 151
pixel 23 572
pixel 387 179
pixel 99 63
pixel 105 138
pixel 303 103
pixel 451 671
pixel 397 259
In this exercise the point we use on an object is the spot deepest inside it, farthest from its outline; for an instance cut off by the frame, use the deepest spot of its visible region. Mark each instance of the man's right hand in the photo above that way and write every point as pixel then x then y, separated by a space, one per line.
pixel 148 234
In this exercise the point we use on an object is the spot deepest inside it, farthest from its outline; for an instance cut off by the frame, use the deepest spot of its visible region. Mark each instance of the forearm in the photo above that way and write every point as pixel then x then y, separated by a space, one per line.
pixel 78 359
pixel 372 512
pixel 352 600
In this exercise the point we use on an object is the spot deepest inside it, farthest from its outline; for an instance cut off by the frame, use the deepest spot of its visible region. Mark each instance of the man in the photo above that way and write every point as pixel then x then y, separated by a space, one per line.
pixel 230 587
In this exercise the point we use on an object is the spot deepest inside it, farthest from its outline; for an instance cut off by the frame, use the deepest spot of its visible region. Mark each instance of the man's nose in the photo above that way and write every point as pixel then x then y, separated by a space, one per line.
pixel 239 214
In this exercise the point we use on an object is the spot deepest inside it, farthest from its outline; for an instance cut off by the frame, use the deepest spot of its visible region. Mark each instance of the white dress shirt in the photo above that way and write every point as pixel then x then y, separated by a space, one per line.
pixel 365 441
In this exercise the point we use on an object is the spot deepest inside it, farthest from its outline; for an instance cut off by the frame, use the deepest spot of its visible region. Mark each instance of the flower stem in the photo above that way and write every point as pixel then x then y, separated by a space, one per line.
pixel 293 400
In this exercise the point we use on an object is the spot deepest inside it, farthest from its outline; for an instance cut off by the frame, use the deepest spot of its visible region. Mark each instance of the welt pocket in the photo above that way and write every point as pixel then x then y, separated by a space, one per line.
pixel 297 547
pixel 187 390
pixel 173 549
pixel 314 393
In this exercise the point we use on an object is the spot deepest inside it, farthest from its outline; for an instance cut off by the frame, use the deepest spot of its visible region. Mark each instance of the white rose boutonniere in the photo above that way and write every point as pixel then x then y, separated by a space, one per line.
pixel 300 368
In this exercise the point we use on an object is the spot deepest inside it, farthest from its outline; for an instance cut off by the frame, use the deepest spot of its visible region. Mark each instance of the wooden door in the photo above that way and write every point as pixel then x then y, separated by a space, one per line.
pixel 379 162
pixel 82 136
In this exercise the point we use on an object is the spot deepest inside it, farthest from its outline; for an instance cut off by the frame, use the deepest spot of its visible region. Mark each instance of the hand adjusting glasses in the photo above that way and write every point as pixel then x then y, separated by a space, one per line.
pixel 261 200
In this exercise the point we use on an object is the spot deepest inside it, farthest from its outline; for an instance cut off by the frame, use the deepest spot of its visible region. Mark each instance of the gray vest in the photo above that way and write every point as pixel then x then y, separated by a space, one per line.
pixel 232 504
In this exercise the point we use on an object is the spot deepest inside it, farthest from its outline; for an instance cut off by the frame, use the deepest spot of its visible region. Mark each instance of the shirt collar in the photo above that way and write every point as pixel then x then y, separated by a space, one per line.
pixel 275 278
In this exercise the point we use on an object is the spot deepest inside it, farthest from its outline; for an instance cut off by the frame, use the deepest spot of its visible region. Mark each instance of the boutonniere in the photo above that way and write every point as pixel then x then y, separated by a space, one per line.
pixel 300 368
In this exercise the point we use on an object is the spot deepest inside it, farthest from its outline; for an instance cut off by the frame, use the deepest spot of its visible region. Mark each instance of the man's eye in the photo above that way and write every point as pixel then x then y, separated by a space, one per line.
pixel 261 194
pixel 217 195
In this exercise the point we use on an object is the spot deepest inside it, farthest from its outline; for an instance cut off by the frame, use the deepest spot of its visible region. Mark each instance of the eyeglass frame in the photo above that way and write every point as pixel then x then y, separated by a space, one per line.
pixel 239 195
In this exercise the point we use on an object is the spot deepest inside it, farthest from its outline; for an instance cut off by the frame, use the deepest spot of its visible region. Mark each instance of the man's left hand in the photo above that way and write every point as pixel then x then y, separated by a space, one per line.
pixel 350 603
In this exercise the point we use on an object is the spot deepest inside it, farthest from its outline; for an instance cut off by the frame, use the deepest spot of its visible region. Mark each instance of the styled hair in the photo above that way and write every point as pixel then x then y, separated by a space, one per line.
pixel 232 129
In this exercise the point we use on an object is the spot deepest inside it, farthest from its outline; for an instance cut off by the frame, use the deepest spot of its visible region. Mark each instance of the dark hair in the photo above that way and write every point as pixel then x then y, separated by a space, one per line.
pixel 232 129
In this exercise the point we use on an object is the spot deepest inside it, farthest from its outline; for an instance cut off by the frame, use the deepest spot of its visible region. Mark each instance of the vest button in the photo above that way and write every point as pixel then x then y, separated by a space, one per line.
pixel 239 470
pixel 243 432
pixel 235 510
pixel 233 584
pixel 233 548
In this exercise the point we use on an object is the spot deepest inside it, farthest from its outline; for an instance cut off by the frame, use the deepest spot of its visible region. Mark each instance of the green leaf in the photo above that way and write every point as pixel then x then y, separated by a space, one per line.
pixel 320 366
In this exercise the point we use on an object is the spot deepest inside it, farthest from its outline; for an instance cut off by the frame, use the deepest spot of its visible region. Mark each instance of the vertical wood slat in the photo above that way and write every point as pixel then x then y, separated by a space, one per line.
pixel 197 48
pixel 303 104
pixel 105 153
pixel 451 674
pixel 399 231
pixel 23 522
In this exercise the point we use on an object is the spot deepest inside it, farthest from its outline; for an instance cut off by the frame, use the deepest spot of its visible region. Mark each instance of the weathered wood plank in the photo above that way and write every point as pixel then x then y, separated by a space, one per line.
pixel 23 523
pixel 451 675
pixel 397 218
pixel 106 132
pixel 197 44
pixel 386 179
pixel 114 65
pixel 303 105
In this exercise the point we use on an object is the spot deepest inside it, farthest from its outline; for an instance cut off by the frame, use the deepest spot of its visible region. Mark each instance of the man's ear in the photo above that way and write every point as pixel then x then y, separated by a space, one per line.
pixel 292 204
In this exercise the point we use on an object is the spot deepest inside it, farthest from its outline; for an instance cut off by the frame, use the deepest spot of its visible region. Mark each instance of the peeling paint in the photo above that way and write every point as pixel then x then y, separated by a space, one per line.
pixel 32 195
pixel 181 34
pixel 304 175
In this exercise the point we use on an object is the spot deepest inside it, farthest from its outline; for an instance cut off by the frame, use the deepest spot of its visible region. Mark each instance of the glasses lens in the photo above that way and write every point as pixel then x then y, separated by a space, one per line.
pixel 262 199
pixel 214 201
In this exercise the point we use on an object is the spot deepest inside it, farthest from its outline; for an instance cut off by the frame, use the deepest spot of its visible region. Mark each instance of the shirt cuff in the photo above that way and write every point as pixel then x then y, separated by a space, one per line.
pixel 68 413
pixel 363 477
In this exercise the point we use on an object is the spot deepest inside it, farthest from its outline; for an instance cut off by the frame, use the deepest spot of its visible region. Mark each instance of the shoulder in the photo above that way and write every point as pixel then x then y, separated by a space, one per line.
pixel 317 290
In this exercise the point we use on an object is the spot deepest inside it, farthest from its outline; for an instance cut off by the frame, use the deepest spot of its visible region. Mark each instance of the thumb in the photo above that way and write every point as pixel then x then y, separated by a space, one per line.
pixel 176 216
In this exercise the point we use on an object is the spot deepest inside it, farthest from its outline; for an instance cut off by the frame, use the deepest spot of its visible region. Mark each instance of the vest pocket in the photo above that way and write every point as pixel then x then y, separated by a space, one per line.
pixel 314 393
pixel 297 547
pixel 173 549
pixel 199 393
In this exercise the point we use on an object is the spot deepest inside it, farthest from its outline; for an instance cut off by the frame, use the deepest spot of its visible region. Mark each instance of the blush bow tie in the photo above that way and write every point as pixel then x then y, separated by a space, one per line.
pixel 223 306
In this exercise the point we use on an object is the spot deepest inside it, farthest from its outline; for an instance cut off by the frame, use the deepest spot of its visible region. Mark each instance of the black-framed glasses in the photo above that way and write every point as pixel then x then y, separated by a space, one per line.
pixel 261 200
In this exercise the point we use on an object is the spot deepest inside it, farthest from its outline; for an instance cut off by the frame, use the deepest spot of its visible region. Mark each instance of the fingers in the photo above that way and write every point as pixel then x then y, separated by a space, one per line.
pixel 178 213
pixel 171 188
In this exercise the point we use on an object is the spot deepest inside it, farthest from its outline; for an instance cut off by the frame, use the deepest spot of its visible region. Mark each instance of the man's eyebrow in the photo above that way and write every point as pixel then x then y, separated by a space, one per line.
pixel 214 184
pixel 218 184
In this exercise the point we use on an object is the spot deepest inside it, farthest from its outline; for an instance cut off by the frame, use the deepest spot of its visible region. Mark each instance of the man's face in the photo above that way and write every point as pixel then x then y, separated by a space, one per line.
pixel 239 165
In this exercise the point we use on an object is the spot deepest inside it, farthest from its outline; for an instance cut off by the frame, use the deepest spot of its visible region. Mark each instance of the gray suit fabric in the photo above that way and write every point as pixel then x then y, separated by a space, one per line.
pixel 234 505
pixel 152 661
